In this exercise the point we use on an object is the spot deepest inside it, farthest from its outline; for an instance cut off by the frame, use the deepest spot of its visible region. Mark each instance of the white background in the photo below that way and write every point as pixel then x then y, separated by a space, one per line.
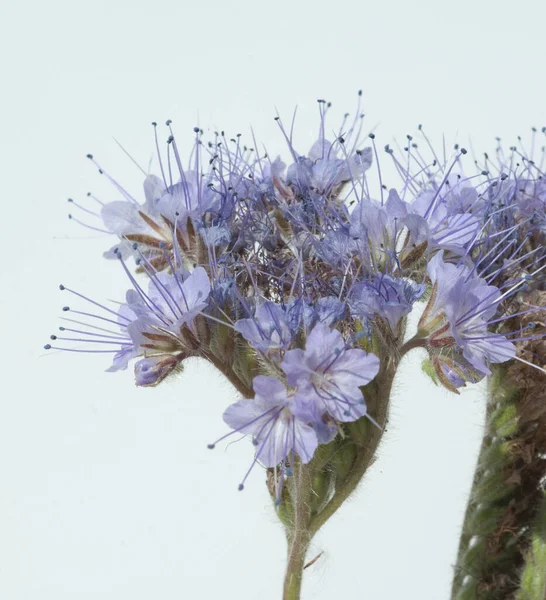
pixel 108 491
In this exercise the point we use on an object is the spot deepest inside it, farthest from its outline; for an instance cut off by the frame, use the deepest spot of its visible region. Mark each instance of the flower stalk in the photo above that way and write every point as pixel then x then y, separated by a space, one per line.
pixel 533 576
pixel 299 533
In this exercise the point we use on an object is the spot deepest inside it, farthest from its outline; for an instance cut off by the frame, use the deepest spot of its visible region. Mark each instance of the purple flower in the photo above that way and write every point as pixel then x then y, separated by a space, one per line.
pixel 132 222
pixel 396 227
pixel 468 304
pixel 387 297
pixel 151 371
pixel 325 168
pixel 330 375
pixel 449 228
pixel 158 325
pixel 269 329
pixel 278 423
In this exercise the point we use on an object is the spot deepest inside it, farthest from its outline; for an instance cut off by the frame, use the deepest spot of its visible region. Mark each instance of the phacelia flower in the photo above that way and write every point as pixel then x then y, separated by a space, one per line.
pixel 278 423
pixel 330 374
pixel 158 325
pixel 268 330
pixel 459 312
pixel 385 296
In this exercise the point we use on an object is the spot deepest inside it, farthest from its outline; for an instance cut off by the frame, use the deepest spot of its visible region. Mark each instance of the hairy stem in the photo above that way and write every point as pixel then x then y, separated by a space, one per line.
pixel 227 370
pixel 533 576
pixel 506 495
pixel 298 533
pixel 378 406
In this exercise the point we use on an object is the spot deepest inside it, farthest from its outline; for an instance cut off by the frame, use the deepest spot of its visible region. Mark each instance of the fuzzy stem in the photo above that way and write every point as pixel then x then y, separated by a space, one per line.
pixel 506 490
pixel 379 405
pixel 533 577
pixel 298 534
pixel 227 370
pixel 415 342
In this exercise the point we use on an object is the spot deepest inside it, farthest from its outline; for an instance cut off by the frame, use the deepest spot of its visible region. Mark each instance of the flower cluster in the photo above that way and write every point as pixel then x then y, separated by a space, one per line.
pixel 295 279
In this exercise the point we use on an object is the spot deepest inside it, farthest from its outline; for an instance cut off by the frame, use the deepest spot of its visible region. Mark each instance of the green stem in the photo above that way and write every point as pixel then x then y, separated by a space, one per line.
pixel 415 342
pixel 294 569
pixel 298 533
pixel 379 407
pixel 230 375
pixel 533 576
pixel 506 491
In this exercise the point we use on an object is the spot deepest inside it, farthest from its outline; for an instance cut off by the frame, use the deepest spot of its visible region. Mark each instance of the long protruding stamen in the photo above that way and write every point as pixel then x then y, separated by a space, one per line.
pixel 123 191
pixel 113 312
pixel 98 229
pixel 213 445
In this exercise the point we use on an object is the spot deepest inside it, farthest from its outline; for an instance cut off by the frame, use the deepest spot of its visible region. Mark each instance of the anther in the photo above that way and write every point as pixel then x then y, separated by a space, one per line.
pixel 47 347
pixel 52 337
pixel 66 308
pixel 211 446
pixel 61 287
pixel 241 487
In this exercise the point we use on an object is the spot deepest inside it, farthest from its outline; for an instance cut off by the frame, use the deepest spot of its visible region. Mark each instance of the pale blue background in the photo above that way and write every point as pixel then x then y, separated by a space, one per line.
pixel 108 491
